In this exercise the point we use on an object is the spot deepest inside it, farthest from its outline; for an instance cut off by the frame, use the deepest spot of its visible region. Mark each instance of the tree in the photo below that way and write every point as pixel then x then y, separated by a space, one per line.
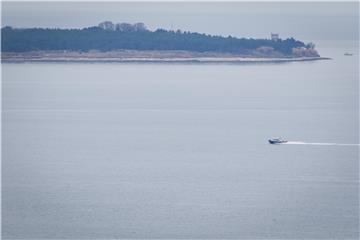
pixel 310 45
pixel 136 37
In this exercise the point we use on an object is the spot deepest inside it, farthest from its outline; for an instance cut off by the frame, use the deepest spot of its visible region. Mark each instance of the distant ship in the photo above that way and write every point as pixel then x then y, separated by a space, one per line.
pixel 277 141
pixel 348 54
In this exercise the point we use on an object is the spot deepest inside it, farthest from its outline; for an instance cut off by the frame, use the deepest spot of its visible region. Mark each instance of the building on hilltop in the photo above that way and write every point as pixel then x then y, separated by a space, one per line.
pixel 140 27
pixel 107 25
pixel 123 27
pixel 275 36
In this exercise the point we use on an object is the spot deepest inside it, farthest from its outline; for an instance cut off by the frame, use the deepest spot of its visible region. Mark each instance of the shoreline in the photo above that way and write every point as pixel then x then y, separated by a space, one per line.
pixel 160 60
pixel 131 56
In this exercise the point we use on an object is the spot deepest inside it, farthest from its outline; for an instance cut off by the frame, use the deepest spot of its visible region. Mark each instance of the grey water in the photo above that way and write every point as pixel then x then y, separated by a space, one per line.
pixel 180 150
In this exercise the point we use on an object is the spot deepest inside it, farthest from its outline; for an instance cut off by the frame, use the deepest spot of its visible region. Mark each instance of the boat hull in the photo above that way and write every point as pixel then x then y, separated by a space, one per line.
pixel 273 141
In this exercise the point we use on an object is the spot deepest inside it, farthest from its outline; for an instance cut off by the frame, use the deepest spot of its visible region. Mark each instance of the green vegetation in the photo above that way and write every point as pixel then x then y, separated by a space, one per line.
pixel 123 37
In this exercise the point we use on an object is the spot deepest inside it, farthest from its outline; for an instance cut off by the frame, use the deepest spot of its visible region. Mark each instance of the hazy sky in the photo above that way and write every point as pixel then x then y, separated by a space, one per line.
pixel 308 21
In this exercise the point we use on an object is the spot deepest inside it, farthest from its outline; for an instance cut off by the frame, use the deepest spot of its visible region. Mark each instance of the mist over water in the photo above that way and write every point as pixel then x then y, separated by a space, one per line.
pixel 114 151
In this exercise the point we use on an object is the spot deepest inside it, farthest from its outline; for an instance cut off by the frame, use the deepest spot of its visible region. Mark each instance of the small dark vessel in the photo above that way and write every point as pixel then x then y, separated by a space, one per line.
pixel 276 141
pixel 348 54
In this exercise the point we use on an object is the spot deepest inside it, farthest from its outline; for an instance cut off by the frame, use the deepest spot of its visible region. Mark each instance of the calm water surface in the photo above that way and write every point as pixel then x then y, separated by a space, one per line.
pixel 180 151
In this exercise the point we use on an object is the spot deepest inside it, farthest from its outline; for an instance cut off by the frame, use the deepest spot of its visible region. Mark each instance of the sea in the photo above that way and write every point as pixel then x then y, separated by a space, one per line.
pixel 180 151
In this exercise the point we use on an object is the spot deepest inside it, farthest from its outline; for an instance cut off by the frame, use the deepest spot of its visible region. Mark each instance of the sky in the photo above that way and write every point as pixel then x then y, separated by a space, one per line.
pixel 307 21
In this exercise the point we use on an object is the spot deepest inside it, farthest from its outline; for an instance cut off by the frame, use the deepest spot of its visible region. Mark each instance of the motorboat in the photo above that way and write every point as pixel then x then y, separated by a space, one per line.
pixel 277 141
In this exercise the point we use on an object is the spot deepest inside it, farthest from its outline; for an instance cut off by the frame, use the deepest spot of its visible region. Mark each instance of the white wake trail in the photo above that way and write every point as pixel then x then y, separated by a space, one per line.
pixel 321 144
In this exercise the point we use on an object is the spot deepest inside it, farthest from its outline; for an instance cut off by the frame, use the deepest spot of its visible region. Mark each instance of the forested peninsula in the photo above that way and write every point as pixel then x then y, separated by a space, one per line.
pixel 134 42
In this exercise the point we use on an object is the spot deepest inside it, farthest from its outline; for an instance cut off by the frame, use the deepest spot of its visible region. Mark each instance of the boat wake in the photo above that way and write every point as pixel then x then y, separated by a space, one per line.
pixel 321 144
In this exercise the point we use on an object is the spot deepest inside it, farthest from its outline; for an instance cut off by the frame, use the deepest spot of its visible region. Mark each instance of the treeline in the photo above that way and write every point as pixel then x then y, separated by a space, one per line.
pixel 98 38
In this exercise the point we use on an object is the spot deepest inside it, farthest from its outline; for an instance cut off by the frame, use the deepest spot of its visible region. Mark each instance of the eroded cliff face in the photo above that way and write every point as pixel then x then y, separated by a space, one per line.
pixel 265 51
pixel 296 52
pixel 305 52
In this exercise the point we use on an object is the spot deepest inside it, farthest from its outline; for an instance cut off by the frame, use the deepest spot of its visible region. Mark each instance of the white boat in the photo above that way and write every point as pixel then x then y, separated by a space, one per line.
pixel 277 141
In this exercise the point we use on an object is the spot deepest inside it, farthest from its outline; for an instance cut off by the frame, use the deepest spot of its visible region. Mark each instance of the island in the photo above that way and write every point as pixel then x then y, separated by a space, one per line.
pixel 124 42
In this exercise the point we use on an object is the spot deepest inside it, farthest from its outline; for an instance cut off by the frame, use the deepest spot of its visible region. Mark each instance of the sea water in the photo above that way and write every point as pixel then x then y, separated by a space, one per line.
pixel 180 150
